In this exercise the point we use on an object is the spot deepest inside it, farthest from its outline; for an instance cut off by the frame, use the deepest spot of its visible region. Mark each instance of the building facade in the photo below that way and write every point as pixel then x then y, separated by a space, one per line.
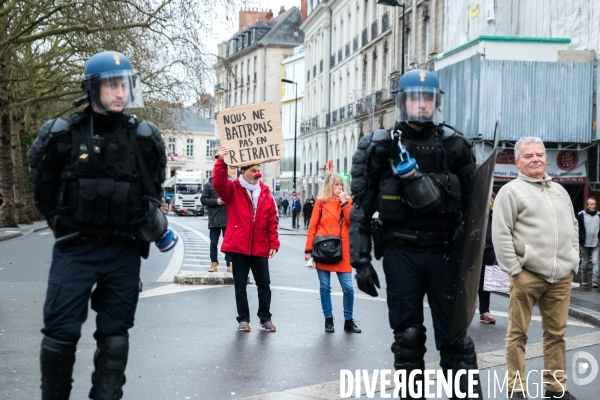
pixel 250 70
pixel 189 146
pixel 291 120
pixel 353 55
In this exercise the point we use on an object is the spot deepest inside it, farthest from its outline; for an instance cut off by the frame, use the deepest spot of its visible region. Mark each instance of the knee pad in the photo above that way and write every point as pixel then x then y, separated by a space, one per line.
pixel 56 364
pixel 409 348
pixel 110 361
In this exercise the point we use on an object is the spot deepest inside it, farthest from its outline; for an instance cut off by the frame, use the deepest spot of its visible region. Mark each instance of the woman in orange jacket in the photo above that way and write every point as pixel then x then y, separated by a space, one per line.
pixel 332 205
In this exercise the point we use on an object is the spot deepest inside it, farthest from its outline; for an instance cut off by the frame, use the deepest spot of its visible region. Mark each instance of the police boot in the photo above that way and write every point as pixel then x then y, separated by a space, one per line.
pixel 230 267
pixel 409 350
pixel 109 361
pixel 461 356
pixel 213 267
pixel 56 362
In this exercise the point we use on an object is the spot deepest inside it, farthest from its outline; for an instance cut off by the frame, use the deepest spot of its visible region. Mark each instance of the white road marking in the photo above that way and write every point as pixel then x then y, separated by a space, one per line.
pixel 173 288
pixel 175 264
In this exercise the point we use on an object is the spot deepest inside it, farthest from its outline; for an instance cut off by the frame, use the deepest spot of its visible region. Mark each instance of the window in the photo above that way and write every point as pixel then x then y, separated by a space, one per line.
pixel 189 148
pixel 208 174
pixel 172 145
pixel 209 145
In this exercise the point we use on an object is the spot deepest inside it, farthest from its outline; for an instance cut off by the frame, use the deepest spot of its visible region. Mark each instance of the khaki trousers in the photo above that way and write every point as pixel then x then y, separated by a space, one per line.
pixel 553 301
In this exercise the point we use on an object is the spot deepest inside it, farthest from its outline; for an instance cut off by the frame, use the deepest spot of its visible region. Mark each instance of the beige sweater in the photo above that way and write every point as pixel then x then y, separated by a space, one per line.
pixel 534 227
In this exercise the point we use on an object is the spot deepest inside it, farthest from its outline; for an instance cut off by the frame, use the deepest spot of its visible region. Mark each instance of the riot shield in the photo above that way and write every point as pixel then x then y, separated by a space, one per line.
pixel 471 250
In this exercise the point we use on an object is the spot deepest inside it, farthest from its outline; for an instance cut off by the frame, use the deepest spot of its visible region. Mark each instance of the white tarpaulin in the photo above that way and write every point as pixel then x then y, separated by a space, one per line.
pixel 573 19
pixel 564 166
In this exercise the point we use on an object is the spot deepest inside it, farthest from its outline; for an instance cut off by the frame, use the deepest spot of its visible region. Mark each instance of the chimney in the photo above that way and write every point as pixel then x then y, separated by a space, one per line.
pixel 303 9
pixel 249 15
pixel 269 15
pixel 281 10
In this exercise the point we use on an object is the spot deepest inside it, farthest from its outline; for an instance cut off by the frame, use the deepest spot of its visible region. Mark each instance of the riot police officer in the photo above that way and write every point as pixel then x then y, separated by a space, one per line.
pixel 96 178
pixel 418 177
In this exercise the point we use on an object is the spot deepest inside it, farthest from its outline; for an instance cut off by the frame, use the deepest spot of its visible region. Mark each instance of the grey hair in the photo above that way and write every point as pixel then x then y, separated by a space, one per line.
pixel 527 140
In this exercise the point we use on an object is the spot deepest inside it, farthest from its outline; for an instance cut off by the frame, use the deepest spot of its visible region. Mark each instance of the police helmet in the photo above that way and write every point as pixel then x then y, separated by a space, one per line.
pixel 112 69
pixel 419 98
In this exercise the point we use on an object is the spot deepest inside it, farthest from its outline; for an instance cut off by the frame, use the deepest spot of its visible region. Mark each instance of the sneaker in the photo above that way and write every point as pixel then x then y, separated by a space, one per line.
pixel 244 326
pixel 595 285
pixel 350 326
pixel 559 395
pixel 584 283
pixel 268 326
pixel 329 325
pixel 486 318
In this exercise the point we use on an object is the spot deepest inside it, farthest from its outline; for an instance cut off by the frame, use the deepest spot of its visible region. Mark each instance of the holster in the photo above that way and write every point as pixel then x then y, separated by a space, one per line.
pixel 378 237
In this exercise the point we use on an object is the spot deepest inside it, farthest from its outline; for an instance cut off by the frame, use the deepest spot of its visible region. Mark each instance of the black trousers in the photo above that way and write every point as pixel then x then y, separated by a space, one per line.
pixel 242 264
pixel 214 244
pixel 76 266
pixel 489 257
pixel 409 276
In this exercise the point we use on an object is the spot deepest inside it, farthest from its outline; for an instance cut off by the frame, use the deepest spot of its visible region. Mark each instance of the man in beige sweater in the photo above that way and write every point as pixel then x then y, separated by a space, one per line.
pixel 535 235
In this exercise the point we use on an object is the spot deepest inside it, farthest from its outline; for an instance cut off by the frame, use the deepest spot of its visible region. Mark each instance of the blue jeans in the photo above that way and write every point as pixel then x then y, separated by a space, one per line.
pixel 345 279
pixel 586 252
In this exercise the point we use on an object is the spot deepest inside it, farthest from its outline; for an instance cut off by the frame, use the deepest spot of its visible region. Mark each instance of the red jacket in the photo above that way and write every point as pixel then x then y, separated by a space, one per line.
pixel 246 234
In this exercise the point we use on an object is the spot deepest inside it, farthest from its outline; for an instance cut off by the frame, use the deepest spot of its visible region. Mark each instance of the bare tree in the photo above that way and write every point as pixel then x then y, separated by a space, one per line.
pixel 44 45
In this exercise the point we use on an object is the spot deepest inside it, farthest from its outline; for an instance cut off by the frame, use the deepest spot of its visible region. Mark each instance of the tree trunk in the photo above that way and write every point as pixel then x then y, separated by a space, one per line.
pixel 8 215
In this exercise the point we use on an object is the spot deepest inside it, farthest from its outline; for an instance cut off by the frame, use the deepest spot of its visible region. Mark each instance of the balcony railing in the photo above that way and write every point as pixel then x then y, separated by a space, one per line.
pixel 315 123
pixel 347 49
pixel 308 76
pixel 365 36
pixel 332 61
pixel 374 30
pixel 385 21
pixel 321 66
pixel 350 110
pixel 342 113
pixel 369 101
pixel 340 55
pixel 334 117
pixel 359 108
pixel 355 43
pixel 327 119
pixel 314 71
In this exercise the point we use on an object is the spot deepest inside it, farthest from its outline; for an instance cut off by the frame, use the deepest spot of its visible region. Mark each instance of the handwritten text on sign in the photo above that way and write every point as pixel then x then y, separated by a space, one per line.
pixel 252 133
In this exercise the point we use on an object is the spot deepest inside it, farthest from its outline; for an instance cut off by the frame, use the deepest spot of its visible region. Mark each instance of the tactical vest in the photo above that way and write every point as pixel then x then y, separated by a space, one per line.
pixel 431 160
pixel 101 188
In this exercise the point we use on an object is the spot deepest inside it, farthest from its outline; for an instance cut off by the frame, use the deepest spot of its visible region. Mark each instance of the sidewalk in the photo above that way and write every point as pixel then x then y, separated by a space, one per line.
pixel 25 229
pixel 585 304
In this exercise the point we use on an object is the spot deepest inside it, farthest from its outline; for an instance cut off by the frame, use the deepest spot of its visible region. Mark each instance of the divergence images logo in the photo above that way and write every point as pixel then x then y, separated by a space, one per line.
pixel 580 368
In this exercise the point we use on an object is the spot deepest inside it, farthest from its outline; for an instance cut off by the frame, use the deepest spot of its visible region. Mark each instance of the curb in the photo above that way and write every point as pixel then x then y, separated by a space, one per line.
pixel 203 278
pixel 41 228
pixel 591 317
pixel 10 236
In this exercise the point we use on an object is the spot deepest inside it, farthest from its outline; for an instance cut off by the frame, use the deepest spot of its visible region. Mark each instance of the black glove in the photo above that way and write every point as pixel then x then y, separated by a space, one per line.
pixel 366 279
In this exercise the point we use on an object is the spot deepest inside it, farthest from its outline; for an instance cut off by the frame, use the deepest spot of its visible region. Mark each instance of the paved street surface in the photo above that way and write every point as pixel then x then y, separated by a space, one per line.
pixel 185 344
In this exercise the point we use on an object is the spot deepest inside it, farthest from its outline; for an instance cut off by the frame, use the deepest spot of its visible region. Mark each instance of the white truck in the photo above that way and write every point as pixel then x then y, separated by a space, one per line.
pixel 187 189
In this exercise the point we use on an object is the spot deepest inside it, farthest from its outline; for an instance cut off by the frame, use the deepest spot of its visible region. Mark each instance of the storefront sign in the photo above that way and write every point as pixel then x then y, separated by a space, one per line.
pixel 564 166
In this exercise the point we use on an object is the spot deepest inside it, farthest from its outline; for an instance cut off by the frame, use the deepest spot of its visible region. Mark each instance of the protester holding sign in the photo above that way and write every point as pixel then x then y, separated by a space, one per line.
pixel 251 214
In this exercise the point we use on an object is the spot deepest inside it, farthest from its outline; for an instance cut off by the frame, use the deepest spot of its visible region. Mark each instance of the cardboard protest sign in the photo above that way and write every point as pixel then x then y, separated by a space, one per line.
pixel 252 133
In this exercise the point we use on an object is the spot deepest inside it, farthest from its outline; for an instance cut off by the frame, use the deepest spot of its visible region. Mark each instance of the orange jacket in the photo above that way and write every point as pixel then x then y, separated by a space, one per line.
pixel 330 225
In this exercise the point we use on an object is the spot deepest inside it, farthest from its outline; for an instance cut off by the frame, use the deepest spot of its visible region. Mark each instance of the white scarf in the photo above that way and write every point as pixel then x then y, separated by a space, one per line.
pixel 253 191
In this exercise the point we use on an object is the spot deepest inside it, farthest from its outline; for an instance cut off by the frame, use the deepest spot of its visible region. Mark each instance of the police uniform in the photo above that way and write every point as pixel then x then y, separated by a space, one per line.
pixel 89 183
pixel 420 255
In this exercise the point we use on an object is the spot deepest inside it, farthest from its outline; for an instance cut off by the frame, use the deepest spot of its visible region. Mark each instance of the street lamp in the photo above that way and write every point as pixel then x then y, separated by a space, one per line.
pixel 295 124
pixel 394 3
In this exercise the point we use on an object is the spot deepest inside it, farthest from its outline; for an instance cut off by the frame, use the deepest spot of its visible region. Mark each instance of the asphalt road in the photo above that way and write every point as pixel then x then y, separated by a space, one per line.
pixel 185 344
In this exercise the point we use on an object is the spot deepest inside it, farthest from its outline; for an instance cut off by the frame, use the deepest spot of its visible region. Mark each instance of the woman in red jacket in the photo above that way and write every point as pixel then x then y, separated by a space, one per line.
pixel 332 205
pixel 251 237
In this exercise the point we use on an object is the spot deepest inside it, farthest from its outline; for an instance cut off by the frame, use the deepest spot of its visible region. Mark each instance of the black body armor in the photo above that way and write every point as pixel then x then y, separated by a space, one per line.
pixel 441 153
pixel 87 177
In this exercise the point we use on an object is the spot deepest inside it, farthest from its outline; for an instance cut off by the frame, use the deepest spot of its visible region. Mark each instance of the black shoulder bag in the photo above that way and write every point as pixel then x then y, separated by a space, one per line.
pixel 327 249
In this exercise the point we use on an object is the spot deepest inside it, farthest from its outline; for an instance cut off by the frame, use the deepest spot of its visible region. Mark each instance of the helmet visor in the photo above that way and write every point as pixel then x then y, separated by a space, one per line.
pixel 117 90
pixel 420 104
